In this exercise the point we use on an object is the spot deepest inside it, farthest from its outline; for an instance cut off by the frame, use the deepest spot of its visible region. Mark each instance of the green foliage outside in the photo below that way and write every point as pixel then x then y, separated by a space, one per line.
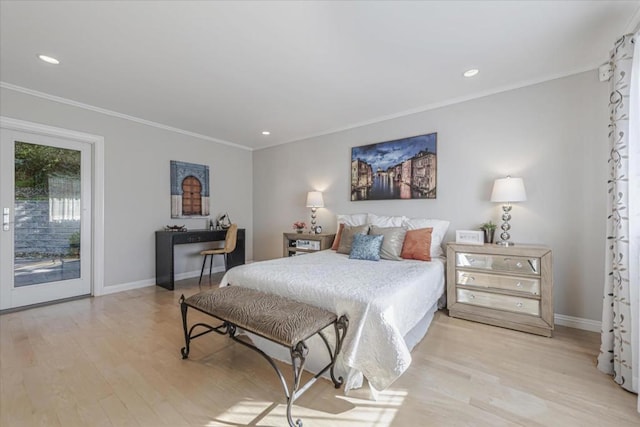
pixel 74 244
pixel 35 163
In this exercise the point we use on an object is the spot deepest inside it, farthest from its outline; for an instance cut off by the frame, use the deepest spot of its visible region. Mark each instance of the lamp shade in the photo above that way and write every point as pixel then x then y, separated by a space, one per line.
pixel 508 190
pixel 315 200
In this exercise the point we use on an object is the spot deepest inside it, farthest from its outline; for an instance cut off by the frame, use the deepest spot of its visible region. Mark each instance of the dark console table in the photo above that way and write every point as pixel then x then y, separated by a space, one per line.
pixel 166 240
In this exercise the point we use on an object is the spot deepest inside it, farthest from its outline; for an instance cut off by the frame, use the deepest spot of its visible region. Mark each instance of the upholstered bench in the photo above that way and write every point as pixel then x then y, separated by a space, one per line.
pixel 281 320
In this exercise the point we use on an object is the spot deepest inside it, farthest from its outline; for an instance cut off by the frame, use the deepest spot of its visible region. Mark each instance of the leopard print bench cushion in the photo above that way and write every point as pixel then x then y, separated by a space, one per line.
pixel 277 318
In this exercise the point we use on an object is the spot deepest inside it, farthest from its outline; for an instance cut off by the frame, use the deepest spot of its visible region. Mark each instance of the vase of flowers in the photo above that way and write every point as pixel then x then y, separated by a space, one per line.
pixel 299 226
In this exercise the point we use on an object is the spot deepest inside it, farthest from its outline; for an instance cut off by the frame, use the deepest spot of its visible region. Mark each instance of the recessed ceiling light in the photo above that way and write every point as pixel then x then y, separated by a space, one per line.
pixel 49 59
pixel 266 132
pixel 470 73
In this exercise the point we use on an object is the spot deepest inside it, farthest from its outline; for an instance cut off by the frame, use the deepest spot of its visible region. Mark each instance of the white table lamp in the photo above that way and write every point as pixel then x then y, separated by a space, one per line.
pixel 507 190
pixel 314 201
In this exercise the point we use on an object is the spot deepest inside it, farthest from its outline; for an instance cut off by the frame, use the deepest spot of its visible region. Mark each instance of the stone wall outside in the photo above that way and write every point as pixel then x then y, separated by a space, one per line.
pixel 37 236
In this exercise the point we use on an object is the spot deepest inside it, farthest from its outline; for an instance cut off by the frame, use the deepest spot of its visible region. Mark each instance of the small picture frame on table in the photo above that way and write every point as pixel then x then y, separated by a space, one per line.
pixel 470 237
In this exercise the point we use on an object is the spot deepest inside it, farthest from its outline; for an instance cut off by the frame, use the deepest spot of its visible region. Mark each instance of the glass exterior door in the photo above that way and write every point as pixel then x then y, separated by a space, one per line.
pixel 45 237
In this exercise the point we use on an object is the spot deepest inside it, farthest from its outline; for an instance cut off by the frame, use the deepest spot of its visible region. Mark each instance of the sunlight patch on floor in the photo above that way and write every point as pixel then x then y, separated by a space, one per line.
pixel 379 413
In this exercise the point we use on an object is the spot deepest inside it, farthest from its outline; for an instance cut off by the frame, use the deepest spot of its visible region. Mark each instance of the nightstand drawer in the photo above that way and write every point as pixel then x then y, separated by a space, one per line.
pixel 483 280
pixel 313 245
pixel 299 243
pixel 500 263
pixel 500 302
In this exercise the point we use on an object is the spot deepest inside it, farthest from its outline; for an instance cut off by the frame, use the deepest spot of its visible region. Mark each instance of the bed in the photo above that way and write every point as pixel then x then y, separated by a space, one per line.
pixel 390 305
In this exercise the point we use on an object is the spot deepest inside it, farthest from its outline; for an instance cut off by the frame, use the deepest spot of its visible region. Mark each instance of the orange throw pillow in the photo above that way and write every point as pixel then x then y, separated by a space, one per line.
pixel 336 240
pixel 417 244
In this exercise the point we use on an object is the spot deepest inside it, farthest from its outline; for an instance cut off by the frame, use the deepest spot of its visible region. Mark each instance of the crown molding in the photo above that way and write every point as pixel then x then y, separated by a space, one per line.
pixel 111 113
pixel 373 121
pixel 437 105
pixel 633 26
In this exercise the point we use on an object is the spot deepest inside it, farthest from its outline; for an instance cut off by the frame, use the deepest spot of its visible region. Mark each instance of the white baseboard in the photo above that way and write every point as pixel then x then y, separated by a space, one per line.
pixel 151 282
pixel 190 274
pixel 577 322
pixel 127 286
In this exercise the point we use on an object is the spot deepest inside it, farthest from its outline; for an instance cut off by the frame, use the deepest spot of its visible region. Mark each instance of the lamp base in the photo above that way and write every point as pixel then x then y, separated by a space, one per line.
pixel 505 243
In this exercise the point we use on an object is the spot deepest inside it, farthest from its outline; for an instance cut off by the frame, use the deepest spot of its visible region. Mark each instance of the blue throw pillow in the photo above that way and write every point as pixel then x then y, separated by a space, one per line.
pixel 366 246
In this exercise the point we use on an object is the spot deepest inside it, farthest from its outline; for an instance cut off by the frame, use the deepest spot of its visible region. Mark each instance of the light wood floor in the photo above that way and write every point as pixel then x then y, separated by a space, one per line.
pixel 115 361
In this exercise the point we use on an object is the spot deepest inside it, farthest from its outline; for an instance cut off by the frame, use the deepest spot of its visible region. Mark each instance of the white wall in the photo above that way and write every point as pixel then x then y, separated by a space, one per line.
pixel 137 191
pixel 554 135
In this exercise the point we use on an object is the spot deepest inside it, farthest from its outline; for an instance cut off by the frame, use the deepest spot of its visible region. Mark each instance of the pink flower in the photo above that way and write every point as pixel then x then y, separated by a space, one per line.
pixel 299 225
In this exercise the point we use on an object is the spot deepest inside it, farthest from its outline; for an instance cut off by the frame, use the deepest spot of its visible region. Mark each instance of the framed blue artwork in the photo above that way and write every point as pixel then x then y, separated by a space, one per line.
pixel 189 190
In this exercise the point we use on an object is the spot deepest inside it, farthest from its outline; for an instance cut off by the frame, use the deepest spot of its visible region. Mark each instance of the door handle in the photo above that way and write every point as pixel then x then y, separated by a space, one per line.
pixel 5 219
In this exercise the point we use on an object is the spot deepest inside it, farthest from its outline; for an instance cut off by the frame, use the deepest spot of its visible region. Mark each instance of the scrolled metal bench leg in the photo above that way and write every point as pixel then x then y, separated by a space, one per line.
pixel 298 352
pixel 187 335
pixel 332 357
pixel 231 330
pixel 340 326
pixel 298 357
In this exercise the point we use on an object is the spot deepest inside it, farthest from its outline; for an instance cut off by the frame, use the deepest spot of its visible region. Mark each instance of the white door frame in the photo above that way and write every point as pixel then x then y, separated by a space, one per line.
pixel 97 187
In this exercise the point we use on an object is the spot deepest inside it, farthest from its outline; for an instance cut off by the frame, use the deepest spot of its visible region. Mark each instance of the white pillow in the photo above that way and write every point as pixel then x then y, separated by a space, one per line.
pixel 351 220
pixel 439 226
pixel 385 221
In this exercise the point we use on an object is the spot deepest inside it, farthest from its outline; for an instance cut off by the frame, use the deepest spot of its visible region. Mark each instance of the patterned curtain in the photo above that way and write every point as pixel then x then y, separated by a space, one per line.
pixel 620 323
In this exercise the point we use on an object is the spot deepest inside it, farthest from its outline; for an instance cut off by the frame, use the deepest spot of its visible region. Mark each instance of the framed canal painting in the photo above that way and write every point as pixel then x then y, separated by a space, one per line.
pixel 400 169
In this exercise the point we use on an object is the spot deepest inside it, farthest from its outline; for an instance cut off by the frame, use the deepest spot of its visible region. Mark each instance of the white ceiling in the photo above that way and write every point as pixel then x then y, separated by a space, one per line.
pixel 229 70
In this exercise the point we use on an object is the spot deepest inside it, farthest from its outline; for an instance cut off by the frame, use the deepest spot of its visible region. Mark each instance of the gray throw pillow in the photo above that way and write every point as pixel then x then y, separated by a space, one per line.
pixel 392 242
pixel 347 237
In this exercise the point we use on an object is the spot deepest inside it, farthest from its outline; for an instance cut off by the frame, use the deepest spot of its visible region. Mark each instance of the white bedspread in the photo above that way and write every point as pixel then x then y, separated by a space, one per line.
pixel 383 301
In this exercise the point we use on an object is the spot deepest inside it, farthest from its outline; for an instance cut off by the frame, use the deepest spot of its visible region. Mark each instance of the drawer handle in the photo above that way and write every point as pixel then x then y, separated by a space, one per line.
pixel 472 296
pixel 519 284
pixel 519 305
pixel 518 264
